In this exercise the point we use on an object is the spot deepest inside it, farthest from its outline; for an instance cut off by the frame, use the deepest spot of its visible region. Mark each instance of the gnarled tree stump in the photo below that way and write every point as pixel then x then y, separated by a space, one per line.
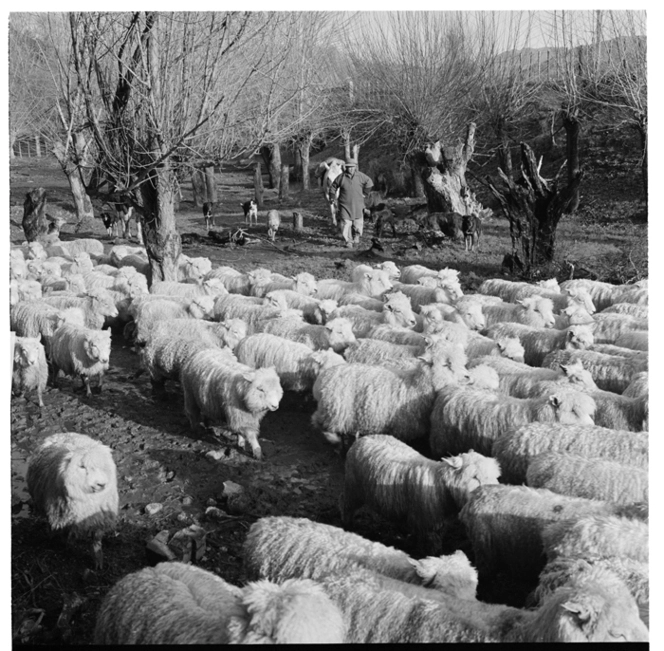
pixel 35 224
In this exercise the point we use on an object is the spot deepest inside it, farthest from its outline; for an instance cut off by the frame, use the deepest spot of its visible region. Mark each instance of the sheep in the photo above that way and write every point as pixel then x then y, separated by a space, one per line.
pixel 120 251
pixel 400 484
pixel 396 312
pixel 505 523
pixel 632 309
pixel 633 340
pixel 412 274
pixel 366 302
pixel 638 387
pixel 594 479
pixel 80 351
pixel 610 372
pixel 255 316
pixel 296 364
pixel 95 306
pixel 383 353
pixel 611 349
pixel 561 572
pixel 74 284
pixel 513 449
pixel 175 603
pixel 376 610
pixel 359 399
pixel 81 264
pixel 138 262
pixel 28 290
pixel 311 307
pixel 602 294
pixel 424 295
pixel 336 333
pixel 433 324
pixel 479 346
pixel 211 287
pixel 87 245
pixel 273 223
pixel 71 478
pixel 533 311
pixel 30 370
pixel 303 283
pixel 33 251
pixel 239 283
pixel 373 284
pixel 393 272
pixel 193 268
pixel 469 315
pixel 35 319
pixel 608 327
pixel 505 289
pixel 284 547
pixel 538 342
pixel 215 389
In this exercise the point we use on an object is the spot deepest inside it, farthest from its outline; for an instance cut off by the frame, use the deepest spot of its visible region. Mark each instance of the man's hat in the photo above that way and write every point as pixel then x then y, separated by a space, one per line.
pixel 351 162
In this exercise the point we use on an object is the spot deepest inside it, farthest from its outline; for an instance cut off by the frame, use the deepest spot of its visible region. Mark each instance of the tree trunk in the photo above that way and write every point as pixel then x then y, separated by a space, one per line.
pixel 572 133
pixel 199 187
pixel 416 172
pixel 505 156
pixel 297 222
pixel 258 185
pixel 444 177
pixel 272 156
pixel 34 222
pixel 210 184
pixel 643 134
pixel 304 147
pixel 77 179
pixel 283 184
pixel 162 241
pixel 534 207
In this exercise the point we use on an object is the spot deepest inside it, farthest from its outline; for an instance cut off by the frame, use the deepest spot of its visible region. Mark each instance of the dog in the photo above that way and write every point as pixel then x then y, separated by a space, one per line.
pixel 250 212
pixel 471 225
pixel 207 214
pixel 112 223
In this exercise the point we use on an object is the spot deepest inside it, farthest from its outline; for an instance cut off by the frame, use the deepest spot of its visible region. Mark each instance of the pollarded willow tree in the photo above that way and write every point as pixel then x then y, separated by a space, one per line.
pixel 161 91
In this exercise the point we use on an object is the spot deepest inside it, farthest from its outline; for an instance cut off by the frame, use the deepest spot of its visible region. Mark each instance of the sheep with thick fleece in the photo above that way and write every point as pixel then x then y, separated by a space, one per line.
pixel 79 351
pixel 397 312
pixel 469 315
pixel 465 418
pixel 610 372
pixel 175 603
pixel 211 287
pixel 74 284
pixel 635 295
pixel 35 319
pixel 635 340
pixel 72 480
pixel 312 310
pixel 359 399
pixel 296 364
pixel 638 387
pixel 284 547
pixel 608 327
pixel 138 262
pixel 433 322
pixel 559 299
pixel 602 294
pixel 393 272
pixel 479 346
pixel 238 283
pixel 515 448
pixel 84 245
pixel 594 479
pixel 412 274
pixel 120 251
pixel 400 484
pixel 368 303
pixel 632 309
pixel 336 333
pixel 28 290
pixel 255 316
pixel 383 353
pixel 376 610
pixel 95 306
pixel 216 389
pixel 505 524
pixel 539 342
pixel 612 349
pixel 373 284
pixel 505 289
pixel 424 295
pixel 534 311
pixel 303 283
pixel 193 268
pixel 30 370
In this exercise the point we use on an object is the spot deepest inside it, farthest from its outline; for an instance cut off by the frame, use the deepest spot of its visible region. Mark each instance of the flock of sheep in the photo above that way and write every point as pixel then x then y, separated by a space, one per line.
pixel 533 399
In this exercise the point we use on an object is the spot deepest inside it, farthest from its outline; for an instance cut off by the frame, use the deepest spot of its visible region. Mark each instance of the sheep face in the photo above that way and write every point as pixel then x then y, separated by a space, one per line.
pixel 470 471
pixel 98 347
pixel 276 300
pixel 431 318
pixel 326 307
pixel 398 311
pixel 580 296
pixel 263 391
pixel 473 316
pixel 511 348
pixel 341 334
pixel 235 331
pixel 103 305
pixel 573 408
pixel 88 471
pixel 26 352
pixel 305 284
pixel 393 272
pixel 579 337
pixel 202 307
pixel 578 375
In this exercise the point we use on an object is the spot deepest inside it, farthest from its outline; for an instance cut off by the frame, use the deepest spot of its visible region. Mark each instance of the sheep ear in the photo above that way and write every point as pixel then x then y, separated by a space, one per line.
pixel 500 346
pixel 249 375
pixel 453 462
pixel 565 369
pixel 582 609
pixel 555 401
pixel 426 358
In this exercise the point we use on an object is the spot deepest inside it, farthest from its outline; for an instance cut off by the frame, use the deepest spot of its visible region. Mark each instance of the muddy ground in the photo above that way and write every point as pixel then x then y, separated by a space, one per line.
pixel 55 591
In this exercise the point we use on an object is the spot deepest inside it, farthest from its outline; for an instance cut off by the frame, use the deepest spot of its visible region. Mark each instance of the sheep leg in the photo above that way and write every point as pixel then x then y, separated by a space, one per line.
pixel 101 381
pixel 97 551
pixel 251 437
pixel 86 384
pixel 39 397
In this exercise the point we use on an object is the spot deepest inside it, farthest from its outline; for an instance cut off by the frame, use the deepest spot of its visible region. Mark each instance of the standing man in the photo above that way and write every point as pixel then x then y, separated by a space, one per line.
pixel 353 186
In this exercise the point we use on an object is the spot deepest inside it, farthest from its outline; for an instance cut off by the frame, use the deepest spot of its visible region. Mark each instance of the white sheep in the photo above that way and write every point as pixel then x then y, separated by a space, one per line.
pixel 137 261
pixel 425 294
pixel 505 289
pixel 284 547
pixel 28 290
pixel 35 319
pixel 362 399
pixel 539 342
pixel 638 387
pixel 303 283
pixel 95 306
pixel 608 327
pixel 412 273
pixel 79 351
pixel 559 299
pixel 595 479
pixel 296 364
pixel 368 303
pixel 120 251
pixel 612 349
pixel 336 333
pixel 376 610
pixel 373 284
pixel 383 353
pixel 193 268
pixel 238 283
pixel 312 309
pixel 30 370
pixel 393 272
pixel 479 346
pixel 505 524
pixel 273 223
pixel 211 287
pixel 255 316
pixel 514 449
pixel 74 284
pixel 392 479
pixel 397 312
pixel 602 294
pixel 635 340
pixel 638 311
pixel 534 311
pixel 174 603
pixel 33 251
pixel 610 372
pixel 85 245
pixel 466 418
pixel 72 480
pixel 635 295
pixel 467 314
pixel 216 389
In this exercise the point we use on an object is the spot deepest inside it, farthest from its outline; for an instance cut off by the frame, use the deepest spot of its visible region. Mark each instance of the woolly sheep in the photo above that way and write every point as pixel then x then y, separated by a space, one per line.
pixel 35 319
pixel 138 262
pixel 366 302
pixel 360 399
pixel 174 603
pixel 376 610
pixel 468 314
pixel 120 251
pixel 610 372
pixel 28 290
pixel 422 295
pixel 216 389
pixel 559 299
pixel 638 387
pixel 633 340
pixel 638 311
pixel 374 284
pixel 479 346
pixel 238 283
pixel 296 364
pixel 96 306
pixel 393 272
pixel 608 327
pixel 80 351
pixel 603 294
pixel 30 370
pixel 514 449
pixel 311 308
pixel 534 311
pixel 465 417
pixel 400 484
pixel 193 268
pixel 211 287
pixel 383 353
pixel 255 316
pixel 74 284
pixel 336 333
pixel 538 342
pixel 505 523
pixel 85 245
pixel 72 480
pixel 572 315
pixel 412 274
pixel 303 283
pixel 396 313
pixel 611 349
pixel 33 251
pixel 594 479
pixel 284 547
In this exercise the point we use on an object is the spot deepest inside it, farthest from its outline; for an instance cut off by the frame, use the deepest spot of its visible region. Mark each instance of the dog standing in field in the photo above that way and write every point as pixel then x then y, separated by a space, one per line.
pixel 273 223
pixel 207 214
pixel 111 223
pixel 250 212
pixel 471 226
